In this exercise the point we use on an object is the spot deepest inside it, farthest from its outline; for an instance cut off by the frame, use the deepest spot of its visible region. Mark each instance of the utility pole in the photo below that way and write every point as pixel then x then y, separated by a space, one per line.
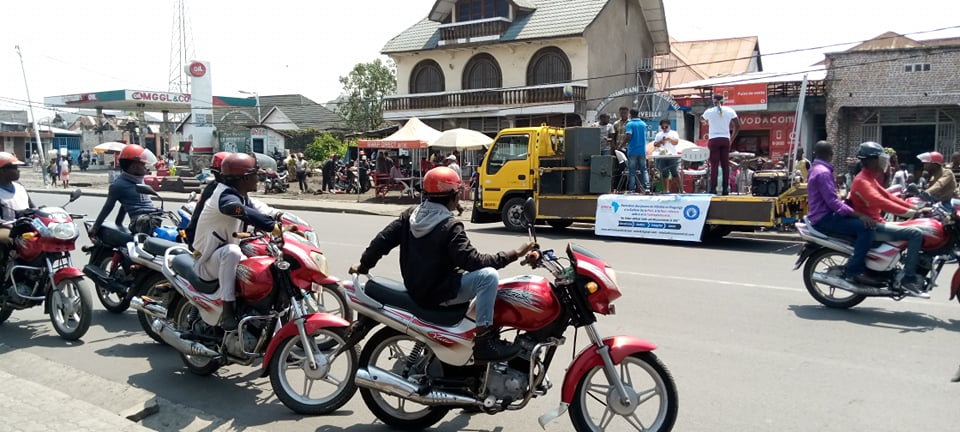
pixel 33 120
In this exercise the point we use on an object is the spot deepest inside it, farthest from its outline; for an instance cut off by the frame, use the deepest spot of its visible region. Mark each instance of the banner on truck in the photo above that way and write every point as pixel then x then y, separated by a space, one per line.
pixel 668 217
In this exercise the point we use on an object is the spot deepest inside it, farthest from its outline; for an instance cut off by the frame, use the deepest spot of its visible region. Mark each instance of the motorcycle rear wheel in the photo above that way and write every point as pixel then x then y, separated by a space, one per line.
pixel 112 301
pixel 397 347
pixel 5 312
pixel 167 298
pixel 187 318
pixel 329 299
pixel 654 384
pixel 290 357
pixel 71 308
pixel 833 262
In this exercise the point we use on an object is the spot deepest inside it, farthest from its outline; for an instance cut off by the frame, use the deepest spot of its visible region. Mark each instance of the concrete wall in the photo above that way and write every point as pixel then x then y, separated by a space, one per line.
pixel 874 79
pixel 617 42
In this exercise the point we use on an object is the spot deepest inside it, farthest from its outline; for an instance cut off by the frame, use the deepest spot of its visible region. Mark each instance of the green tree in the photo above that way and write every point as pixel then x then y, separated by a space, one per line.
pixel 364 88
pixel 323 145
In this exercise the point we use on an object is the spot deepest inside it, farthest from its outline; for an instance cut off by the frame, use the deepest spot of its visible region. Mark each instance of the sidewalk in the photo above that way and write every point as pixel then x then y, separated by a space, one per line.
pixel 95 184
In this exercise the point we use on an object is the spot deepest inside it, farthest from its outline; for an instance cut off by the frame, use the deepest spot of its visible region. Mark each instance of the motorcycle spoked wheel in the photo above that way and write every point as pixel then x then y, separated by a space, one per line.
pixel 5 312
pixel 329 299
pixel 158 288
pixel 388 350
pixel 596 408
pixel 187 319
pixel 334 377
pixel 833 262
pixel 71 308
pixel 112 301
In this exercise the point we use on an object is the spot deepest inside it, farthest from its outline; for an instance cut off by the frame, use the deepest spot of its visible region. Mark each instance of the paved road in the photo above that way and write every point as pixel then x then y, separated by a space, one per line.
pixel 748 347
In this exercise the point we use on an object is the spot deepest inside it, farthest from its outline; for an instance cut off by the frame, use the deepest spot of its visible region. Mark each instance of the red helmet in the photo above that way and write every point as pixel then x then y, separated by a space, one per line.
pixel 8 159
pixel 218 160
pixel 238 165
pixel 441 181
pixel 133 152
pixel 931 157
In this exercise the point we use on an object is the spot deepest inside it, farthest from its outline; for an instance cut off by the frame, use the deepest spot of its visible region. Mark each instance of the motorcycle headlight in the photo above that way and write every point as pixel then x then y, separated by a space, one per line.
pixel 63 231
pixel 320 261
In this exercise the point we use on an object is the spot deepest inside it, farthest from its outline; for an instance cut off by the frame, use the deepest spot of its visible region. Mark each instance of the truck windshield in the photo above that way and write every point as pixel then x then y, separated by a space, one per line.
pixel 507 148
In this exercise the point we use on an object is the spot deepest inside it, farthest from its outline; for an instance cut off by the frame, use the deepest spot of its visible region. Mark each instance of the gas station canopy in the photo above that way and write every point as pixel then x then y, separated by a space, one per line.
pixel 140 100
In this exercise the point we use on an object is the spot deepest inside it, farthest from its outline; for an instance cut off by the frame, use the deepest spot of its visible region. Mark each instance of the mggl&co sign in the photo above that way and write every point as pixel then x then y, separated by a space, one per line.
pixel 149 96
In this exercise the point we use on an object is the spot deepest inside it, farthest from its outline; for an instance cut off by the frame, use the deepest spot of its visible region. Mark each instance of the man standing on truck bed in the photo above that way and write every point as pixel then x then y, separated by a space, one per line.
pixel 636 137
pixel 620 129
pixel 720 120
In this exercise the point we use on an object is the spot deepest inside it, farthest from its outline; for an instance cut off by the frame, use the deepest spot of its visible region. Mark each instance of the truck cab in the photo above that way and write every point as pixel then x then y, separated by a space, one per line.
pixel 509 173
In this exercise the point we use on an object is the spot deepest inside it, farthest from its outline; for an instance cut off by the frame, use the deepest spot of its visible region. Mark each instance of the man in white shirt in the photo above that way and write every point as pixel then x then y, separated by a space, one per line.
pixel 666 144
pixel 451 162
pixel 606 134
pixel 724 126
pixel 13 200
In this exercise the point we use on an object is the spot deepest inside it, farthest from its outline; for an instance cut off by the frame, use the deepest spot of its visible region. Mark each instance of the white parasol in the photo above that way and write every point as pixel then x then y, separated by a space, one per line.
pixel 461 139
pixel 109 147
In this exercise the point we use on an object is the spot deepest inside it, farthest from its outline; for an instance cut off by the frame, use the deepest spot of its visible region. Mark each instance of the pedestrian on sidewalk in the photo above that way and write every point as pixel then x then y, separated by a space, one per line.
pixel 65 171
pixel 54 171
pixel 302 172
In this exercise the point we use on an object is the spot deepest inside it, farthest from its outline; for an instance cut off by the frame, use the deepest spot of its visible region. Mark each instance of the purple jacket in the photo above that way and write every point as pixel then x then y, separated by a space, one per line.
pixel 822 193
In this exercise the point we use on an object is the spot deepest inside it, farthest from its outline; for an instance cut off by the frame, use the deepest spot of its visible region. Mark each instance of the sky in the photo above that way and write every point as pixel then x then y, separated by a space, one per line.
pixel 296 46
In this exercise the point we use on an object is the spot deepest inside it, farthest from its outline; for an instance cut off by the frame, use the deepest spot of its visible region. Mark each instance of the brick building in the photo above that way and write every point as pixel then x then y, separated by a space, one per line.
pixel 897 91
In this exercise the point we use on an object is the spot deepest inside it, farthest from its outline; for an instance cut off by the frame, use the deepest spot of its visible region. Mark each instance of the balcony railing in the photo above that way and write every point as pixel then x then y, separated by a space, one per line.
pixel 510 97
pixel 470 31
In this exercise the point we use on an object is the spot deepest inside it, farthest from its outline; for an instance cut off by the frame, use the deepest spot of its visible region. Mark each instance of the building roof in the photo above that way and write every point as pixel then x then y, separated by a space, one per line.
pixel 814 73
pixel 716 57
pixel 302 111
pixel 888 40
pixel 536 20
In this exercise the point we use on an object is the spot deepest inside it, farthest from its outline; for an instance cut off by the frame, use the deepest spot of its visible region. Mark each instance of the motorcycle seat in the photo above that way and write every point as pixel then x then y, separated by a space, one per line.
pixel 183 265
pixel 157 246
pixel 393 293
pixel 114 236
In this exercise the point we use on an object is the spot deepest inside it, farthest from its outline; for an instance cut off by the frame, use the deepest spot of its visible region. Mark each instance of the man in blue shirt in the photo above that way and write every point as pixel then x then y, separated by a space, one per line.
pixel 144 216
pixel 636 137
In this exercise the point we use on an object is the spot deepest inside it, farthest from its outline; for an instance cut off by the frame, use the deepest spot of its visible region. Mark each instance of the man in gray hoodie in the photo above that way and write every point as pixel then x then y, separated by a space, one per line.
pixel 438 263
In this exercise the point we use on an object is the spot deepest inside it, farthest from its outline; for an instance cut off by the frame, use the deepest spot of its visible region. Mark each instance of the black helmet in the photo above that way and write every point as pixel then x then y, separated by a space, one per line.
pixel 869 149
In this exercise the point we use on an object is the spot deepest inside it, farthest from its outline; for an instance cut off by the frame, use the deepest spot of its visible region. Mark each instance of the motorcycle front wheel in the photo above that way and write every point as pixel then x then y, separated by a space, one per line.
pixel 71 307
pixel 391 351
pixel 653 397
pixel 831 262
pixel 112 301
pixel 314 391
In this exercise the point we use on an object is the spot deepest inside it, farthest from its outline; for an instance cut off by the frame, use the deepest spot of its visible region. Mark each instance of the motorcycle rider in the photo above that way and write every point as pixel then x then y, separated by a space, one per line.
pixel 224 213
pixel 870 198
pixel 143 214
pixel 439 265
pixel 13 200
pixel 943 185
pixel 830 215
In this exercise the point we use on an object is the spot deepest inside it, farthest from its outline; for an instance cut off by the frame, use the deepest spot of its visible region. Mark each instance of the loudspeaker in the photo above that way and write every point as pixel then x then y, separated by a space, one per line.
pixel 576 182
pixel 769 183
pixel 580 143
pixel 602 170
pixel 551 182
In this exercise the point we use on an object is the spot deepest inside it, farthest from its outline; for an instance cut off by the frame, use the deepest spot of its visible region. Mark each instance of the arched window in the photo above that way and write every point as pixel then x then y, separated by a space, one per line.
pixel 427 77
pixel 548 66
pixel 481 72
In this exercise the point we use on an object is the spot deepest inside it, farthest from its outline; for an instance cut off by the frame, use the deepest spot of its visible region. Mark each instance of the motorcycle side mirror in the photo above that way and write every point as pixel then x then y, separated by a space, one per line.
pixel 75 195
pixel 146 190
pixel 530 211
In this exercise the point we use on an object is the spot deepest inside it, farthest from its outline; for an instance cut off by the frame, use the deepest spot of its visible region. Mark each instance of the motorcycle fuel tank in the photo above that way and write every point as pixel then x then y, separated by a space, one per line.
pixel 254 278
pixel 525 303
pixel 934 236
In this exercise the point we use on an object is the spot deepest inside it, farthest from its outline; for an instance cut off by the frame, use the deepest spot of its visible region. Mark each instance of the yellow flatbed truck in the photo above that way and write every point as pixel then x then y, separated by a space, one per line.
pixel 530 162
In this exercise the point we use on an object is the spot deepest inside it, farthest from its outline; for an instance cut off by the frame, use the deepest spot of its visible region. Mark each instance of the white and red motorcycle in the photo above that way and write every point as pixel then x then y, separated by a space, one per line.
pixel 825 257
pixel 420 365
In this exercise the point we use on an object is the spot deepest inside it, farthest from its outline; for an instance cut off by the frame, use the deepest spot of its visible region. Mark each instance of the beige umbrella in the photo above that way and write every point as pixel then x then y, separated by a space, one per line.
pixel 681 146
pixel 109 147
pixel 461 139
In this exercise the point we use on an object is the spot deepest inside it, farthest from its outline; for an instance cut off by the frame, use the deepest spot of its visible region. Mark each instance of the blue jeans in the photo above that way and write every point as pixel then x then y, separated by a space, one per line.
pixel 634 163
pixel 914 238
pixel 834 224
pixel 481 284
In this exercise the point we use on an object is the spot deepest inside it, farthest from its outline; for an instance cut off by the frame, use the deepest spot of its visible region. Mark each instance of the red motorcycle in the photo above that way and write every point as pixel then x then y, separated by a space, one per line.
pixel 295 346
pixel 417 368
pixel 823 258
pixel 40 270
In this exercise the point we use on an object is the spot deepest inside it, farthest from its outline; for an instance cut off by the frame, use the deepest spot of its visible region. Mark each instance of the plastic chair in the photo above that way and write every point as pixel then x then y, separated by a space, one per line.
pixel 696 155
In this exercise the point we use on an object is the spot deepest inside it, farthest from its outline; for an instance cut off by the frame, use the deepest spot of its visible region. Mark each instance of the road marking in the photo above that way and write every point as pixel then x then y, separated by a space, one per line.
pixel 713 281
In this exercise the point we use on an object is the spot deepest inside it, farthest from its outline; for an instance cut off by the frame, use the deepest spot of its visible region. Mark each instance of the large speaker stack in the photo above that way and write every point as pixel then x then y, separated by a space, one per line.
pixel 581 144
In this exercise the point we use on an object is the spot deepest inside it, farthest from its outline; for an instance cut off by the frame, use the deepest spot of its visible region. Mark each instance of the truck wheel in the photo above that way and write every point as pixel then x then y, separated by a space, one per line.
pixel 559 224
pixel 512 215
pixel 712 233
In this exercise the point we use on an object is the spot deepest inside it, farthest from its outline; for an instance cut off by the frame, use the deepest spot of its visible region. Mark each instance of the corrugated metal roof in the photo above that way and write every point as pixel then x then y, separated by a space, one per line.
pixel 813 74
pixel 552 18
pixel 717 57
pixel 888 40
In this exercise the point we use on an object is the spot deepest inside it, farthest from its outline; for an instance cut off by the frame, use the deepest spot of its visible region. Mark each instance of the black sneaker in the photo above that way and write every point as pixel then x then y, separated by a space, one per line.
pixel 914 288
pixel 487 347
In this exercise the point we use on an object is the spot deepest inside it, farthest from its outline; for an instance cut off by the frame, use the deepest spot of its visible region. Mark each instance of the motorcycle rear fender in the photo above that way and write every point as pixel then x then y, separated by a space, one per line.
pixel 312 323
pixel 620 348
pixel 805 252
pixel 330 280
pixel 66 273
pixel 955 284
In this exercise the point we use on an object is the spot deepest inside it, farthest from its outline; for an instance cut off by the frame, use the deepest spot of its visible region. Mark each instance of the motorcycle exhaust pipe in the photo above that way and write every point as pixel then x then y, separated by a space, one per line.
pixel 151 309
pixel 845 285
pixel 374 378
pixel 173 338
